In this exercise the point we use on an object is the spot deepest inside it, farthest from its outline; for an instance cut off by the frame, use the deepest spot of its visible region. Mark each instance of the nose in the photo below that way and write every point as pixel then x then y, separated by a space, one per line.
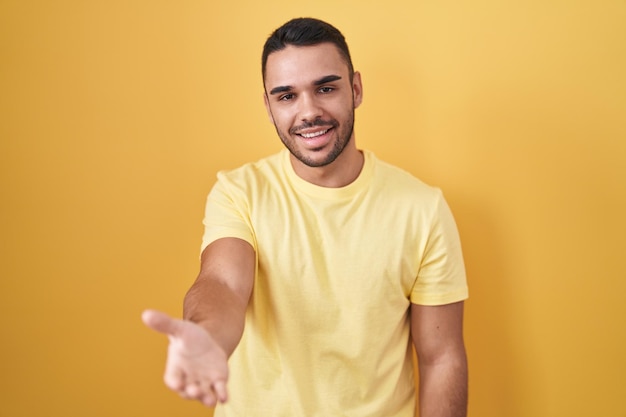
pixel 310 108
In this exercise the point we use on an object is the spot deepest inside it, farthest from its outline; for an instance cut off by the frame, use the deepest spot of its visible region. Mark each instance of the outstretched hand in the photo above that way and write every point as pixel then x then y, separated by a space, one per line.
pixel 197 366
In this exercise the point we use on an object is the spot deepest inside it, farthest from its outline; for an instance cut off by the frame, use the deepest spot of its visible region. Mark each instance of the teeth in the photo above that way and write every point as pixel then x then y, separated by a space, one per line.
pixel 313 135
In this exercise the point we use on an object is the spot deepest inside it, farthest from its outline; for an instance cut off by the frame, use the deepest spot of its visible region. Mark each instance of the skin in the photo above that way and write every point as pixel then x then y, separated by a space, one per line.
pixel 308 92
pixel 213 321
pixel 437 333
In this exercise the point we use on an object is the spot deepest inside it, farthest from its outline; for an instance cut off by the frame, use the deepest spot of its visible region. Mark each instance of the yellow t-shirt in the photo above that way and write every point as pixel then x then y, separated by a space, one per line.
pixel 327 328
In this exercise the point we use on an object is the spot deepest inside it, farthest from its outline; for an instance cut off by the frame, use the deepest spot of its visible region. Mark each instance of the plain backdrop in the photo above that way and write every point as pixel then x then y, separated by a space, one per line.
pixel 116 116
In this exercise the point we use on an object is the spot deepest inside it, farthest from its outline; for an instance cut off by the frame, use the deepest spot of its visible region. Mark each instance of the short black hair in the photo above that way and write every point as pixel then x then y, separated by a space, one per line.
pixel 305 31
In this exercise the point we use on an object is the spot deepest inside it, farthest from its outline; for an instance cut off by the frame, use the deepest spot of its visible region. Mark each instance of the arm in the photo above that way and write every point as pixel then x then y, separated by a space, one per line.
pixel 437 333
pixel 214 312
pixel 218 299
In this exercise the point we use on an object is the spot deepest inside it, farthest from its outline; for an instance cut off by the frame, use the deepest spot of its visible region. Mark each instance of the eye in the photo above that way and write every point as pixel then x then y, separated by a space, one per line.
pixel 286 97
pixel 326 90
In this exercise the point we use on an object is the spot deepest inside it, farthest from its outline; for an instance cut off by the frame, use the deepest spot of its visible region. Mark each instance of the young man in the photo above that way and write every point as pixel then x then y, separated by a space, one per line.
pixel 332 261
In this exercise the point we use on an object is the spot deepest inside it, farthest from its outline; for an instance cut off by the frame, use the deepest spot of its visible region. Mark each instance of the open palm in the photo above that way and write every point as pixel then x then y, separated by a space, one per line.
pixel 197 366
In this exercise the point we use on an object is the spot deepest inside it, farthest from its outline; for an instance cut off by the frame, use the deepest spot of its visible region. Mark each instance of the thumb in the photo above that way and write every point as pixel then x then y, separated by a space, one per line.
pixel 160 322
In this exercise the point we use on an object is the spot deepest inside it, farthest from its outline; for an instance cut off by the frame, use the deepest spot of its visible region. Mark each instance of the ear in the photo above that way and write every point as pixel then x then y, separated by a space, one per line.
pixel 267 107
pixel 357 89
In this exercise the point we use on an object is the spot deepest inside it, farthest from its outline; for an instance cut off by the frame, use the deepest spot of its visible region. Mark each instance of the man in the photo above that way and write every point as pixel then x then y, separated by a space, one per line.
pixel 330 259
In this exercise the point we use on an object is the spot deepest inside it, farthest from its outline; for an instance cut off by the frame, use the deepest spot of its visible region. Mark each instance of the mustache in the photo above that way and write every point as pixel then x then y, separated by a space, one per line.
pixel 315 123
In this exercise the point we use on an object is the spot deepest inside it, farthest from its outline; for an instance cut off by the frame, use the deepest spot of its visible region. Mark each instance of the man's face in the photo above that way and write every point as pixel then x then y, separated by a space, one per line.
pixel 311 101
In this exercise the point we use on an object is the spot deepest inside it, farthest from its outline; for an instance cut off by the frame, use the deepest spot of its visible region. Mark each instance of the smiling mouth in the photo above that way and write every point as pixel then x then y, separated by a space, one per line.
pixel 313 134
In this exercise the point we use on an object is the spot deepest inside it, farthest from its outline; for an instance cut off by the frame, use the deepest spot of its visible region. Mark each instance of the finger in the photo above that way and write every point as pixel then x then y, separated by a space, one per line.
pixel 219 387
pixel 174 382
pixel 174 378
pixel 201 392
pixel 160 322
pixel 193 391
pixel 208 397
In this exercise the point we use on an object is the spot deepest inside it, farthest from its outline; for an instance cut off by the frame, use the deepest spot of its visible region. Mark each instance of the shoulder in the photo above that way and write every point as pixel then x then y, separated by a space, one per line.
pixel 253 174
pixel 393 179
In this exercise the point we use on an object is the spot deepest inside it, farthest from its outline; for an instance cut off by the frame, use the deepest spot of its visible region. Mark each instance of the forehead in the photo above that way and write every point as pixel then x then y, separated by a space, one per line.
pixel 302 64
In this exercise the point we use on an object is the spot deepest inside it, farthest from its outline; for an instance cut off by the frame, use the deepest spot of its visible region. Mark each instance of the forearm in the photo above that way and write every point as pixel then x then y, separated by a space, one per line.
pixel 443 387
pixel 219 310
pixel 219 297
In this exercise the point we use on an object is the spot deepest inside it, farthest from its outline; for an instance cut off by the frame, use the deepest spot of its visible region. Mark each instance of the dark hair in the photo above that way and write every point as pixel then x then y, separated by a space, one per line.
pixel 305 31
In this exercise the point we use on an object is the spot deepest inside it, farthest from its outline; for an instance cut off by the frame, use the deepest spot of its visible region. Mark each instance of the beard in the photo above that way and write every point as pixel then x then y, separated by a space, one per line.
pixel 343 137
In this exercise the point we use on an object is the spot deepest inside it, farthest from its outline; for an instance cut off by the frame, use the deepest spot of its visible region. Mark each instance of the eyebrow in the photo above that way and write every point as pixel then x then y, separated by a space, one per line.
pixel 327 79
pixel 323 80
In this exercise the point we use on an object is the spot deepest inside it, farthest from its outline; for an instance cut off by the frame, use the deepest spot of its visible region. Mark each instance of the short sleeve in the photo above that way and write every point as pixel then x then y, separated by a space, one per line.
pixel 226 214
pixel 441 278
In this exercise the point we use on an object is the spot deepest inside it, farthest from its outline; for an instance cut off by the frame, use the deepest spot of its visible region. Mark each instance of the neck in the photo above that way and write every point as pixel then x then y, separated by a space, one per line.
pixel 341 172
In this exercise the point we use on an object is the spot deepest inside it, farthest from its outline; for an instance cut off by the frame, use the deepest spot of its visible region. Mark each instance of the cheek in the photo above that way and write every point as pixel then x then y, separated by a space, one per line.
pixel 343 111
pixel 282 123
pixel 281 117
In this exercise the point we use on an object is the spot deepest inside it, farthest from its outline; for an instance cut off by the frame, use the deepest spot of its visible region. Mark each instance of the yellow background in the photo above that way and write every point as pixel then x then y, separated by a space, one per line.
pixel 116 115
